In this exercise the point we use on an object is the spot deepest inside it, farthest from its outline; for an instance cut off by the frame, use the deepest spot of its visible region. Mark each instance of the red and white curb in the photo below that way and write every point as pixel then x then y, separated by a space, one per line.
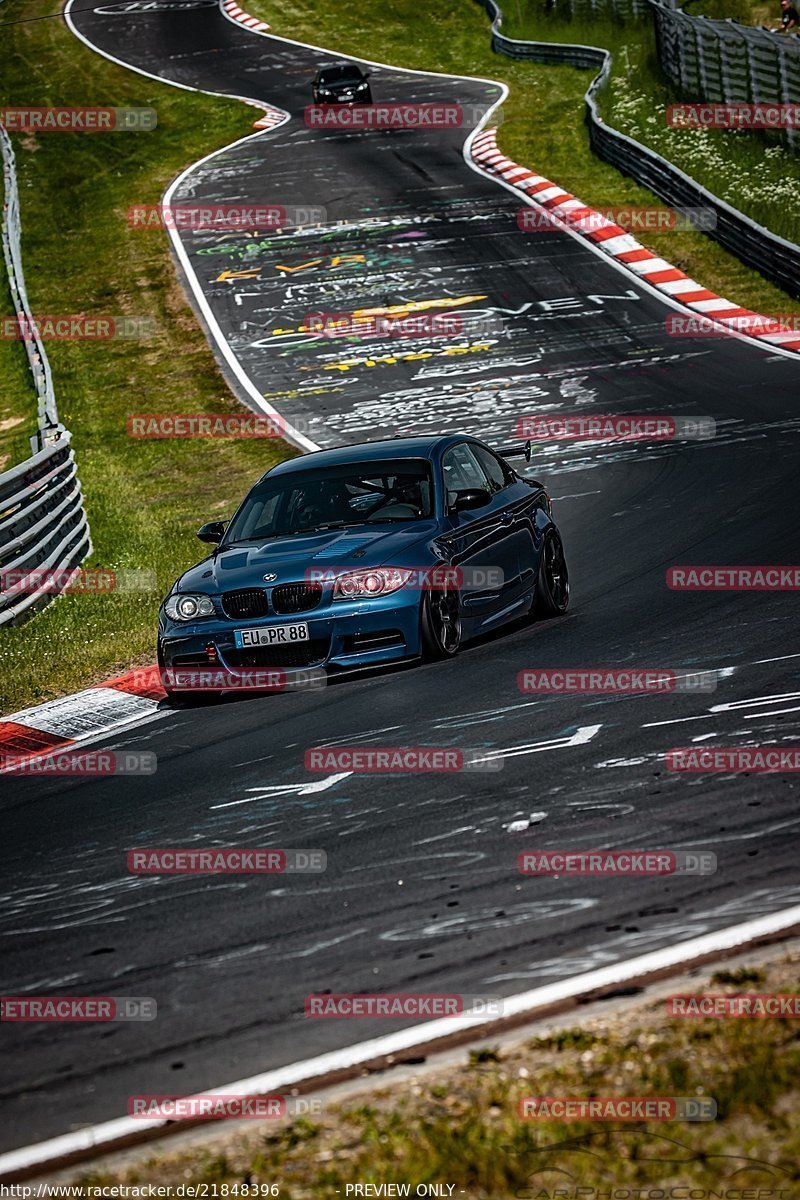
pixel 271 118
pixel 58 724
pixel 236 14
pixel 620 245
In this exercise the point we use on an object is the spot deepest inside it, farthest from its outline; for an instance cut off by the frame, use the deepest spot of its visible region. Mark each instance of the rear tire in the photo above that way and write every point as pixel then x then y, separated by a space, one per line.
pixel 551 595
pixel 441 623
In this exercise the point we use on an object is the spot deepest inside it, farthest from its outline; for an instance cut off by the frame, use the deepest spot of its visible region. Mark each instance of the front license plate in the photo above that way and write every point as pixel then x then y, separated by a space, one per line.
pixel 271 635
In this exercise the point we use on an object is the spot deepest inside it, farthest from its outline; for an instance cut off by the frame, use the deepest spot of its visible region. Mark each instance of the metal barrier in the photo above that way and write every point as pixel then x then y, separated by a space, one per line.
pixel 777 259
pixel 725 61
pixel 43 529
pixel 43 525
pixel 12 235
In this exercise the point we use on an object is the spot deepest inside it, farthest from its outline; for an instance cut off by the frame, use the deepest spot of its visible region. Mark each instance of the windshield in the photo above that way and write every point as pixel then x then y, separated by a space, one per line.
pixel 345 74
pixel 356 494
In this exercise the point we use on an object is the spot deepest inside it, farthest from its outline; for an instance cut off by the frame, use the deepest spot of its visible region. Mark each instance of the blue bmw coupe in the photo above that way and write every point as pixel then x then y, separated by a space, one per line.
pixel 365 555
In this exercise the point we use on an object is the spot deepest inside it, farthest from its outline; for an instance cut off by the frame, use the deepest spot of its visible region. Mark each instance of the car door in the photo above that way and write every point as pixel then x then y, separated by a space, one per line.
pixel 478 540
pixel 518 514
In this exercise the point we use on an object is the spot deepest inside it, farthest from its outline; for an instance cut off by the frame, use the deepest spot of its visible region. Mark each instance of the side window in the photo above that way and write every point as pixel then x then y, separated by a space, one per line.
pixel 462 471
pixel 498 473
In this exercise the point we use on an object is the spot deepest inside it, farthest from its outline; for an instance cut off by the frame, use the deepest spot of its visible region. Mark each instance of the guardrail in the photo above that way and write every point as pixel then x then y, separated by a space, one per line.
pixel 43 529
pixel 777 259
pixel 43 525
pixel 724 61
pixel 12 252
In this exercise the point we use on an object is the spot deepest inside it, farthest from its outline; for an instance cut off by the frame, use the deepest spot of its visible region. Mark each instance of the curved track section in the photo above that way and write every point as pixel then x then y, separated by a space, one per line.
pixel 422 891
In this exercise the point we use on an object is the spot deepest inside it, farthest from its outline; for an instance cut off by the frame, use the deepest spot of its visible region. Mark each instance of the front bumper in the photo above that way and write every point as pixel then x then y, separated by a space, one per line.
pixel 345 634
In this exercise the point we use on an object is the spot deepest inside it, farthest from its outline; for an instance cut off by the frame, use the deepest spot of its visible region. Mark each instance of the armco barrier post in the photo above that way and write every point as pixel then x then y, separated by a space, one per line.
pixel 42 527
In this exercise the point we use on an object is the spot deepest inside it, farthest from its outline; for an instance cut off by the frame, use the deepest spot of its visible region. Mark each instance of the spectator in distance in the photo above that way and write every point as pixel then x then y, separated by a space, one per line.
pixel 790 18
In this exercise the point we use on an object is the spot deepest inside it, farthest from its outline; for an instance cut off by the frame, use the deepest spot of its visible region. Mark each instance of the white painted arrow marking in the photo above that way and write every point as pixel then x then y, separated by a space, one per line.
pixel 735 706
pixel 287 789
pixel 580 737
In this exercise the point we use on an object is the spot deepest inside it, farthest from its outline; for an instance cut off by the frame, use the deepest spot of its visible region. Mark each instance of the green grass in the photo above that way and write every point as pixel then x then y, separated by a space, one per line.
pixel 753 171
pixel 144 499
pixel 18 400
pixel 459 1125
pixel 543 119
pixel 746 12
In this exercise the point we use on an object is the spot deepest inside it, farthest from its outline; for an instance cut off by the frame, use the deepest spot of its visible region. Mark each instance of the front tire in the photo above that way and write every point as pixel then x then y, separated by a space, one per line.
pixel 441 623
pixel 551 595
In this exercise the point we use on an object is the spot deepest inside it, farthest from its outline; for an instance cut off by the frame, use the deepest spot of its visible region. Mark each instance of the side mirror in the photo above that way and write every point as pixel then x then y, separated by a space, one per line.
pixel 467 499
pixel 212 532
pixel 367 74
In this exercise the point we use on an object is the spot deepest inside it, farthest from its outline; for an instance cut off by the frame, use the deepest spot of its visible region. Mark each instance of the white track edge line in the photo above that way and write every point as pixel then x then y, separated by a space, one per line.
pixel 220 340
pixel 121 726
pixel 475 166
pixel 96 1136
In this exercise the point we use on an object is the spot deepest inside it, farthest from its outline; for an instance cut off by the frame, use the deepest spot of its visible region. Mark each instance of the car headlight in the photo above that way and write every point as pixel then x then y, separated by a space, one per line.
pixel 378 582
pixel 362 87
pixel 324 92
pixel 187 607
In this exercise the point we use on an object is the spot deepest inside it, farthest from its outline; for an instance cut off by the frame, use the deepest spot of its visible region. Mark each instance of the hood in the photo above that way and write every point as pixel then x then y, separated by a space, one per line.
pixel 289 558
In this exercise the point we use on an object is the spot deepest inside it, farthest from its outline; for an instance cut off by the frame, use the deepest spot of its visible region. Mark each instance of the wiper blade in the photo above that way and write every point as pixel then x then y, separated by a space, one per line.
pixel 329 525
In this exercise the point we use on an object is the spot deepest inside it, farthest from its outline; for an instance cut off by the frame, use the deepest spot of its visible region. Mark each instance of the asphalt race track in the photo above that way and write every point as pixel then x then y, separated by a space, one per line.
pixel 422 891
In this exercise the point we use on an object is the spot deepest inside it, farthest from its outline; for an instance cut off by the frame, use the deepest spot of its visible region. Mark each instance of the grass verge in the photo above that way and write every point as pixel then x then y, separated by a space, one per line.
pixel 459 1126
pixel 746 12
pixel 144 498
pixel 543 119
pixel 754 171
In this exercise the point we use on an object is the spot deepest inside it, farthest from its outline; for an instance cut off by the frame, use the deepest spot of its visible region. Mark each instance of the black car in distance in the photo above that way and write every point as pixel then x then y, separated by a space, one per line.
pixel 341 83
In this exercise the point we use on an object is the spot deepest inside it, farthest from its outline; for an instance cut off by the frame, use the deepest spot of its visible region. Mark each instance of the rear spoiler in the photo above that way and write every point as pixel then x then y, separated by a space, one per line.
pixel 520 450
